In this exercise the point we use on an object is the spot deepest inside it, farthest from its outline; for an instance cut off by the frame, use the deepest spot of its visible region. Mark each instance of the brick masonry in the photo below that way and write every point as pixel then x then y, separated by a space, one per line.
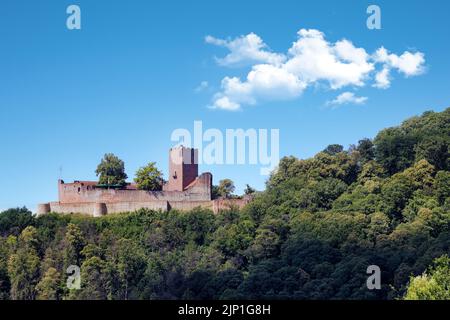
pixel 185 190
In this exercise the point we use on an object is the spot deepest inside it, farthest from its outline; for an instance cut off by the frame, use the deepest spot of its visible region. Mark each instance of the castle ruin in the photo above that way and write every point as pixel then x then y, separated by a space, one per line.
pixel 184 190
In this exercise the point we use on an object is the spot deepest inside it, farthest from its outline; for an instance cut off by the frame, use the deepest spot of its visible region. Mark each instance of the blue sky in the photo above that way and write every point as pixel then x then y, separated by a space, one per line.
pixel 128 78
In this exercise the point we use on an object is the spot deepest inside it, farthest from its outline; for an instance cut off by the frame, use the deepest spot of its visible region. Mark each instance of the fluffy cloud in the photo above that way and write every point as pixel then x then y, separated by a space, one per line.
pixel 347 98
pixel 311 59
pixel 264 82
pixel 223 102
pixel 410 64
pixel 382 80
pixel 244 50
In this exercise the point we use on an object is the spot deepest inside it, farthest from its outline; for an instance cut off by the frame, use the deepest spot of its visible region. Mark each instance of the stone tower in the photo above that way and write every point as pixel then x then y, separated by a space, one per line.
pixel 183 168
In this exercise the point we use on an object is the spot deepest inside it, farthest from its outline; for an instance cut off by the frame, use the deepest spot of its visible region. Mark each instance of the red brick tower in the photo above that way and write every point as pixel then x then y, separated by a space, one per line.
pixel 183 168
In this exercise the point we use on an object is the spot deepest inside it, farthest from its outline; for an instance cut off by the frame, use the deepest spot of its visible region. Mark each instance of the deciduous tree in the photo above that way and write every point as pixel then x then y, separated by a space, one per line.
pixel 111 171
pixel 149 178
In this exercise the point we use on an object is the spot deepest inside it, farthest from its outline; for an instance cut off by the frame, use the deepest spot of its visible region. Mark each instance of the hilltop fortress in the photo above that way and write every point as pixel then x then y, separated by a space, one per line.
pixel 184 190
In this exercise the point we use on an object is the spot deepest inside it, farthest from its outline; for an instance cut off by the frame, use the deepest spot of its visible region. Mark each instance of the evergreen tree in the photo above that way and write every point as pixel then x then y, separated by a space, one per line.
pixel 73 244
pixel 48 288
pixel 23 266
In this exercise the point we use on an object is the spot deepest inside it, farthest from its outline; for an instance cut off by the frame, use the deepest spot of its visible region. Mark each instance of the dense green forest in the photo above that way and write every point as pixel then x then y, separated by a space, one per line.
pixel 310 235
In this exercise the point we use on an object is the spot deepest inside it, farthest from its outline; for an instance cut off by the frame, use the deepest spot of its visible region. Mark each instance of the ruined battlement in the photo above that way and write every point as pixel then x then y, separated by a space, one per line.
pixel 184 190
pixel 88 192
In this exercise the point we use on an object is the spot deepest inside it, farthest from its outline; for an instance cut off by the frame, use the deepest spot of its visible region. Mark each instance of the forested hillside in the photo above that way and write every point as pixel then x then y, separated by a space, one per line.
pixel 310 235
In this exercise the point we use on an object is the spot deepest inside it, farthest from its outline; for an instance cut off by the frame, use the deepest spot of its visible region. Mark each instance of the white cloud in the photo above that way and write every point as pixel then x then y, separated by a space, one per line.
pixel 313 59
pixel 244 50
pixel 410 64
pixel 347 98
pixel 382 80
pixel 202 86
pixel 310 60
pixel 264 82
pixel 223 102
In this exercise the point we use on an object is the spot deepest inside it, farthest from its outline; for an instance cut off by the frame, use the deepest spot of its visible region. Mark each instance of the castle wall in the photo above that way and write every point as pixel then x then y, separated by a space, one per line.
pixel 226 204
pixel 80 192
pixel 186 206
pixel 201 185
pixel 97 209
pixel 100 209
pixel 92 209
pixel 185 192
